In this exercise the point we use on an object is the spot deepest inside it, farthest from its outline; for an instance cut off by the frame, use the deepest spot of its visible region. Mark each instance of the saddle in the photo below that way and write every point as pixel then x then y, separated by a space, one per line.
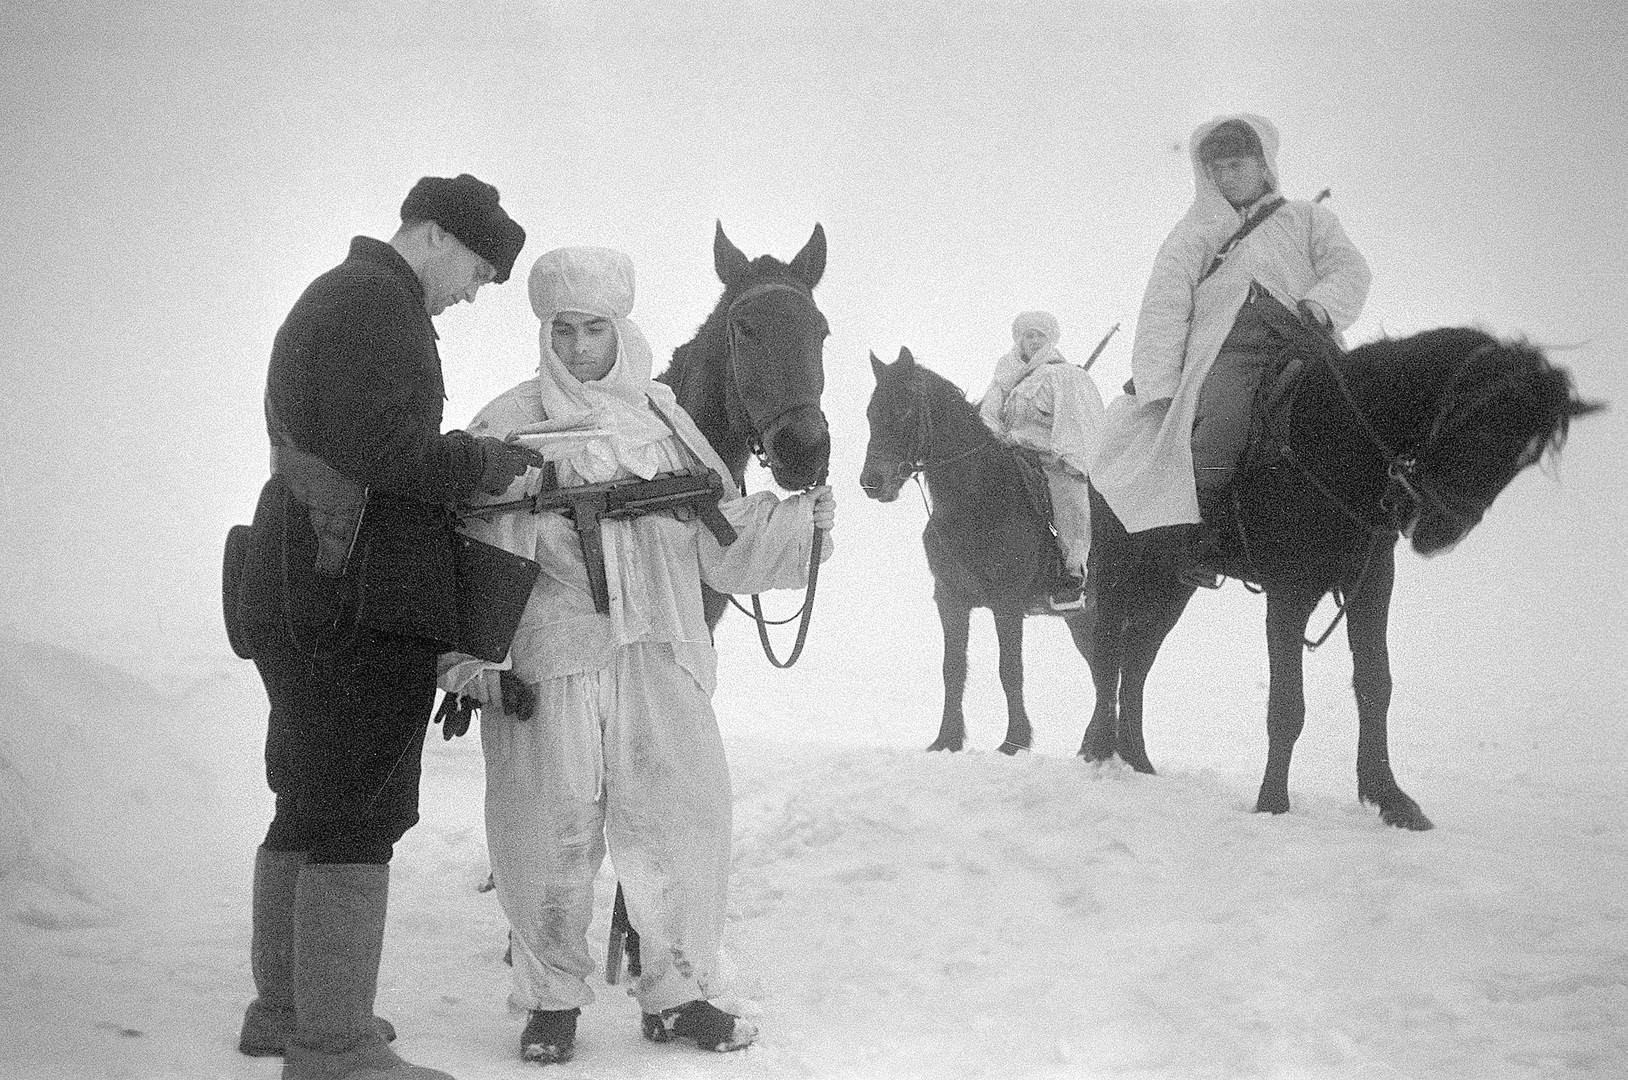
pixel 1271 410
pixel 1054 575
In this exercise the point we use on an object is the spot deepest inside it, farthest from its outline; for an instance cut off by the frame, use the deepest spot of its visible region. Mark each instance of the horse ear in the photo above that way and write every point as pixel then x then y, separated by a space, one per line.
pixel 810 262
pixel 905 356
pixel 877 367
pixel 1579 407
pixel 728 260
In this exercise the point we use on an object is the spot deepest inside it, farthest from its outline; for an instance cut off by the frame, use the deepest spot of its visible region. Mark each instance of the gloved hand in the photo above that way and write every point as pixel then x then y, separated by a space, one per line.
pixel 519 700
pixel 503 462
pixel 454 715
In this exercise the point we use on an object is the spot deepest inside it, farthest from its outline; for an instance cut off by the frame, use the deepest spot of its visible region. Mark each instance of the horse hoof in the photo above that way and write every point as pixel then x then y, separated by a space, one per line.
pixel 1272 805
pixel 1396 808
pixel 1405 817
pixel 951 745
pixel 1011 749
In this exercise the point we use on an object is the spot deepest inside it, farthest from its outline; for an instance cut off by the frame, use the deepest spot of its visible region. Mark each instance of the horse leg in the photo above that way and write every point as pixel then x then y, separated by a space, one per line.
pixel 1287 613
pixel 1157 615
pixel 1366 622
pixel 1104 649
pixel 1009 635
pixel 955 617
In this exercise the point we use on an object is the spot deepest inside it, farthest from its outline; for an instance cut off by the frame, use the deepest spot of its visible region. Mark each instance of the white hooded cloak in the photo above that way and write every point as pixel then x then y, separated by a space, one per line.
pixel 1053 407
pixel 1144 468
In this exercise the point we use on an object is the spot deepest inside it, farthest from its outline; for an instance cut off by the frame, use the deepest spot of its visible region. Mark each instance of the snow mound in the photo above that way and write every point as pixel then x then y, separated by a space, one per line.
pixel 107 789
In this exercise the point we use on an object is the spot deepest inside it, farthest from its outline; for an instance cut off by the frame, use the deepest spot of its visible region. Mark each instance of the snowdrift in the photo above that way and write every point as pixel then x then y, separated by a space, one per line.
pixel 893 913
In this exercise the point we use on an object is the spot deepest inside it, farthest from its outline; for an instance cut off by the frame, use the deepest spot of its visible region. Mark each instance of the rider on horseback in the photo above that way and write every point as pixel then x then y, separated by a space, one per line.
pixel 1228 287
pixel 1052 409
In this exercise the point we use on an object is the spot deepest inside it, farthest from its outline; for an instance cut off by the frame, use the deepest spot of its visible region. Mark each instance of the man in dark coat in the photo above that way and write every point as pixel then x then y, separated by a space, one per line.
pixel 347 596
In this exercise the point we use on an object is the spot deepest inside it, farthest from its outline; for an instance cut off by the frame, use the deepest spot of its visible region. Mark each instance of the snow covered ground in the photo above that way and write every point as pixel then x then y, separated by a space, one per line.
pixel 895 913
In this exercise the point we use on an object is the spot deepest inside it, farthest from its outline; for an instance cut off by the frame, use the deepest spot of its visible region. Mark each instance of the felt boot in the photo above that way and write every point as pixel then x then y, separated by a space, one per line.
pixel 338 938
pixel 270 1016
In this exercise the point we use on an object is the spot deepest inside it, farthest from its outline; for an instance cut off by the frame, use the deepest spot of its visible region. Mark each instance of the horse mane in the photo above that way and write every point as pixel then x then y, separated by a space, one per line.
pixel 764 270
pixel 1524 393
pixel 954 398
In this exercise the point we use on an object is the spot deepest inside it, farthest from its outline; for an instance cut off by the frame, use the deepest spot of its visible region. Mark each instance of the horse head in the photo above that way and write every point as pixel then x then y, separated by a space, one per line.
pixel 1500 408
pixel 899 419
pixel 776 341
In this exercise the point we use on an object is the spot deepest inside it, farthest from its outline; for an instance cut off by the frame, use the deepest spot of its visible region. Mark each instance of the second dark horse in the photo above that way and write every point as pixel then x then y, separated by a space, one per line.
pixel 987 545
pixel 752 376
pixel 1413 436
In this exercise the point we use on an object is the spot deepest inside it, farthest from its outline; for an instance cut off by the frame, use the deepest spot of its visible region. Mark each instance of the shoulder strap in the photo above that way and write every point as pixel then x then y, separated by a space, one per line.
pixel 1244 230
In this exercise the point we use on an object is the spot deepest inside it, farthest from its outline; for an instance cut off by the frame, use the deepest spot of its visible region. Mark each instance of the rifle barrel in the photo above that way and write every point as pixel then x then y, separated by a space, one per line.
pixel 1103 344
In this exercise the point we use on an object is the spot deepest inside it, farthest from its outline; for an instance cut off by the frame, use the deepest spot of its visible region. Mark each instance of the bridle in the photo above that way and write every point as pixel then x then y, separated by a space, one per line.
pixel 910 466
pixel 1409 491
pixel 762 434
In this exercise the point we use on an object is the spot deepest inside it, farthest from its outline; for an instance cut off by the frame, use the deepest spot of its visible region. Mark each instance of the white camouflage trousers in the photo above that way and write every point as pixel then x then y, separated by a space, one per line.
pixel 1070 516
pixel 631 755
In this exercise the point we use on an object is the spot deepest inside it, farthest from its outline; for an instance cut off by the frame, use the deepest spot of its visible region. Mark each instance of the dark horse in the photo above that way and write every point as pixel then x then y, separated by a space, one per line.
pixel 1413 436
pixel 752 376
pixel 987 544
pixel 751 379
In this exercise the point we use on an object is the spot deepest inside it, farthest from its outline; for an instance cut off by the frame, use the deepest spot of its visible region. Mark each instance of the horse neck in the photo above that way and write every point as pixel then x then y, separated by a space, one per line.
pixel 956 449
pixel 701 380
pixel 1397 396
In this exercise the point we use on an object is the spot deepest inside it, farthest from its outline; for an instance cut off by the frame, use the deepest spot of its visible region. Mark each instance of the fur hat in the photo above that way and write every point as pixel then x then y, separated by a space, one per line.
pixel 1230 138
pixel 468 209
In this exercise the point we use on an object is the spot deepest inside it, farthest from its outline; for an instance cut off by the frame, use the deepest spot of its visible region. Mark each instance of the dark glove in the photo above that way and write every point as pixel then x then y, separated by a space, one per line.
pixel 454 715
pixel 503 461
pixel 518 699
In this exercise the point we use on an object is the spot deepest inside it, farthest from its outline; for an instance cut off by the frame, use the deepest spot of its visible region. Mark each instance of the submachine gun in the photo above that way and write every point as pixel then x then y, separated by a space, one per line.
pixel 688 495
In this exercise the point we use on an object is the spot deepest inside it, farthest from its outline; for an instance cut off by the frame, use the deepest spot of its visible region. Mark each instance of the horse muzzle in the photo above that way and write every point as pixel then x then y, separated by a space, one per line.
pixel 881 484
pixel 1434 533
pixel 797 446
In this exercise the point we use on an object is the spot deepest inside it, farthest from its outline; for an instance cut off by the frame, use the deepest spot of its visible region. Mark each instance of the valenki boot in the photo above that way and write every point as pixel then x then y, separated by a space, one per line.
pixel 269 1019
pixel 338 938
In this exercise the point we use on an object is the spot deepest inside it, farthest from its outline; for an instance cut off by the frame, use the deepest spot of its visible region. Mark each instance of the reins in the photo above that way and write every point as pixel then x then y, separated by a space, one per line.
pixel 1402 469
pixel 917 463
pixel 804 612
pixel 1342 597
pixel 1406 492
pixel 757 446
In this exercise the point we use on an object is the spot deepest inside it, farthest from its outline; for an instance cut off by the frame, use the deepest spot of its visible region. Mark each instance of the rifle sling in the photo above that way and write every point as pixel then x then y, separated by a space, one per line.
pixel 1236 238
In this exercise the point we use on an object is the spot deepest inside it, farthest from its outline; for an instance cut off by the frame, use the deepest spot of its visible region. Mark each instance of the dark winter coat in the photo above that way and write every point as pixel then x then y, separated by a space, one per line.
pixel 353 410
